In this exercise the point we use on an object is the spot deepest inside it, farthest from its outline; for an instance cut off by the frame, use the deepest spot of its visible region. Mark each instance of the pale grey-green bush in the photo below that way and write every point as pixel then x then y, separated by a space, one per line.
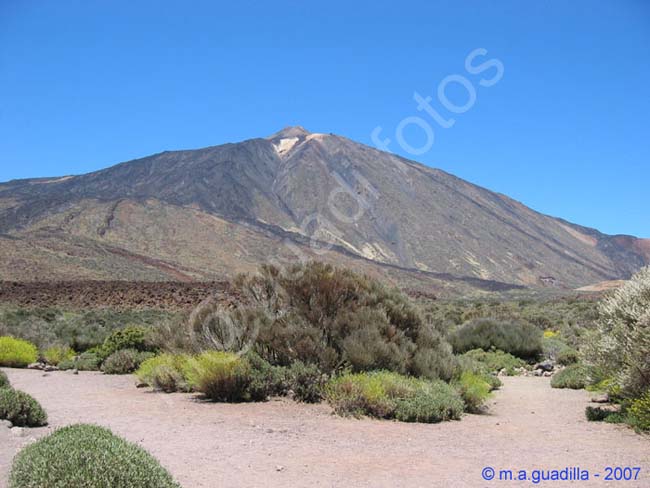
pixel 620 346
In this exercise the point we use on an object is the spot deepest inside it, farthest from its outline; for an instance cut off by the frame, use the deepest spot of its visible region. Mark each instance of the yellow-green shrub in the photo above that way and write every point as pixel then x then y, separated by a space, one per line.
pixel 220 376
pixel 56 354
pixel 639 412
pixel 16 353
pixel 164 372
pixel 388 395
pixel 474 389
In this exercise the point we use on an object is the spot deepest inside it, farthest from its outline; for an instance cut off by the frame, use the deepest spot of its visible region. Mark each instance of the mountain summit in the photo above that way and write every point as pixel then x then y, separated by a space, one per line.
pixel 209 213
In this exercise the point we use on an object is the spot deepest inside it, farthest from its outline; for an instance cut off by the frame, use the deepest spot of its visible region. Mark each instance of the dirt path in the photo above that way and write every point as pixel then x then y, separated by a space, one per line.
pixel 283 444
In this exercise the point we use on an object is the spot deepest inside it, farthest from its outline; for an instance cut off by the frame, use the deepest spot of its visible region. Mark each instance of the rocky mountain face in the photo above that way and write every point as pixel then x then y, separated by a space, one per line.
pixel 209 213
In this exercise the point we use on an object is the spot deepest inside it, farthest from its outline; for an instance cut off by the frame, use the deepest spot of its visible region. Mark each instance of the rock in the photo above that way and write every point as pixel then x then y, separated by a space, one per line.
pixel 537 372
pixel 18 431
pixel 547 374
pixel 545 366
pixel 6 424
pixel 503 372
pixel 279 468
pixel 75 371
pixel 604 398
pixel 36 366
pixel 50 368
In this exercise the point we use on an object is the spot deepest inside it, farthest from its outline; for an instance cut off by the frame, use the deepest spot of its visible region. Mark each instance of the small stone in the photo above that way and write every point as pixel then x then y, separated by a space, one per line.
pixel 75 371
pixel 547 374
pixel 538 372
pixel 35 366
pixel 604 398
pixel 51 368
pixel 279 468
pixel 545 366
pixel 6 423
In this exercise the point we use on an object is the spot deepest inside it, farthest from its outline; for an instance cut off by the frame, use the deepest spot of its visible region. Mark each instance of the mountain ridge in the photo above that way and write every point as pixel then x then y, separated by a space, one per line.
pixel 299 188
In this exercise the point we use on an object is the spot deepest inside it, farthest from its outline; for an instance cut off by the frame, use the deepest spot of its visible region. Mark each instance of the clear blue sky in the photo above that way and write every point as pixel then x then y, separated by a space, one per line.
pixel 86 84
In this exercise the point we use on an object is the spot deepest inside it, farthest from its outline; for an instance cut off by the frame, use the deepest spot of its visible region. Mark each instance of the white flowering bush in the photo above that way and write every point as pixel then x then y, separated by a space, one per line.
pixel 620 347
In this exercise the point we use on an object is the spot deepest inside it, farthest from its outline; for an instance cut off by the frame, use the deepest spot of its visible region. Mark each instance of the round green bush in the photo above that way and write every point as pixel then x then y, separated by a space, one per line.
pixel 125 361
pixel 16 353
pixel 519 338
pixel 87 456
pixel 126 338
pixel 574 377
pixel 21 409
pixel 4 381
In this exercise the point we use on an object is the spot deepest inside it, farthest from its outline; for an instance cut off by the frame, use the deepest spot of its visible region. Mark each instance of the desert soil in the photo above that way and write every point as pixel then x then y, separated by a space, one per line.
pixel 284 444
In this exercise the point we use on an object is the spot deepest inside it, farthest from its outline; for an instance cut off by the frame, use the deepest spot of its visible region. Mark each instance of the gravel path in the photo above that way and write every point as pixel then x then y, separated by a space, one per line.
pixel 283 444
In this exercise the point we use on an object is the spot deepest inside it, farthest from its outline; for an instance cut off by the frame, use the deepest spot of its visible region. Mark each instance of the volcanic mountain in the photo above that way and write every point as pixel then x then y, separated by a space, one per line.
pixel 209 213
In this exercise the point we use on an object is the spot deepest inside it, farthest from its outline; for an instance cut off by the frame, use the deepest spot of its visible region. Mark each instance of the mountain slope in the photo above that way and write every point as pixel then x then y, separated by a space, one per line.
pixel 209 213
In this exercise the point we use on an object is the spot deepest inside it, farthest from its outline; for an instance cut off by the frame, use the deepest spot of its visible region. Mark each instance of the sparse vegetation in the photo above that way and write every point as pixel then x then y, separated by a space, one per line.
pixel 87 456
pixel 21 409
pixel 79 330
pixel 17 353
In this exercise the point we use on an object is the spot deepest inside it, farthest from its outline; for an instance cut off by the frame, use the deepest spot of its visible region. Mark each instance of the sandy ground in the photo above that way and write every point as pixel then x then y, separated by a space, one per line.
pixel 283 444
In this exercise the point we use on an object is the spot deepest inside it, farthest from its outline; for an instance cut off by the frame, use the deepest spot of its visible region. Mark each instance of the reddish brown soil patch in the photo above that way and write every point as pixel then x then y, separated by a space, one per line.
pixel 110 294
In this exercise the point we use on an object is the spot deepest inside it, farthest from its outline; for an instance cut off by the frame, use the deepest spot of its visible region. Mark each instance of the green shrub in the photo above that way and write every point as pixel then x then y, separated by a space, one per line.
pixel 575 377
pixel 434 401
pixel 56 354
pixel 87 456
pixel 16 353
pixel 389 395
pixel 125 361
pixel 4 381
pixel 164 372
pixel 136 338
pixel 21 409
pixel 86 361
pixel 474 390
pixel 496 361
pixel 266 380
pixel 567 357
pixel 639 412
pixel 519 338
pixel 220 376
pixel 307 382
pixel 597 414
